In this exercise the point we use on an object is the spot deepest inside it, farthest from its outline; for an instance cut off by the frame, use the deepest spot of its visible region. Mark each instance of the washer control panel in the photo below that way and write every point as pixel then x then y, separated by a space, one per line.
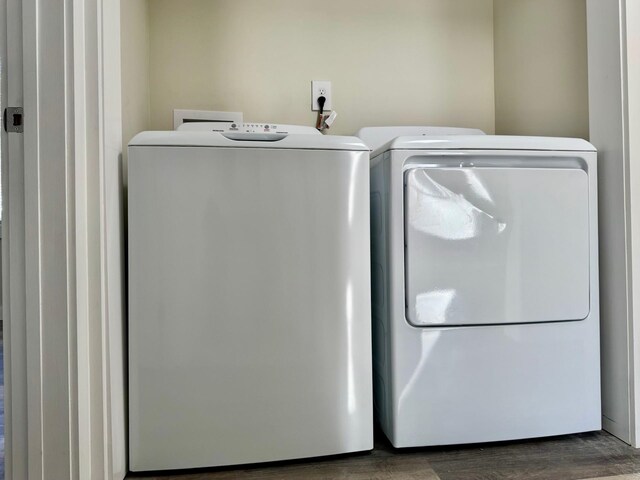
pixel 234 127
pixel 254 128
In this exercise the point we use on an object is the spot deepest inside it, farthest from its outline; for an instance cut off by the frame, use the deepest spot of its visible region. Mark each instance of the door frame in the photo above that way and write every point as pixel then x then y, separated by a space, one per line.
pixel 39 375
pixel 631 29
pixel 63 250
pixel 13 271
pixel 100 240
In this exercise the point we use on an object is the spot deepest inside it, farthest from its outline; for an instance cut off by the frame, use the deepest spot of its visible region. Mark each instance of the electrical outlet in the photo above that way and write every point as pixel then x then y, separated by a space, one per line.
pixel 320 88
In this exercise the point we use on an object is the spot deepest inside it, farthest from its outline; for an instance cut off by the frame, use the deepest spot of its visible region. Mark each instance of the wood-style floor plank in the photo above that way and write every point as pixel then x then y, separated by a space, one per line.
pixel 380 464
pixel 633 476
pixel 574 457
pixel 568 458
pixel 353 469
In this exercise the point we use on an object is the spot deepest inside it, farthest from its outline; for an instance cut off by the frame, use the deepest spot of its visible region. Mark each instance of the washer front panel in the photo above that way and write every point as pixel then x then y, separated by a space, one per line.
pixel 249 305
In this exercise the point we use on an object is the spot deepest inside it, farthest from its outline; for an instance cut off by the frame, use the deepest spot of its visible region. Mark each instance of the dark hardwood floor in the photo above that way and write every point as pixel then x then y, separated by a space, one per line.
pixel 1 404
pixel 572 457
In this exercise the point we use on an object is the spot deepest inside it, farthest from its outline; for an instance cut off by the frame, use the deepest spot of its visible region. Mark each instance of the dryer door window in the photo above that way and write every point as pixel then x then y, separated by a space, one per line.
pixel 496 245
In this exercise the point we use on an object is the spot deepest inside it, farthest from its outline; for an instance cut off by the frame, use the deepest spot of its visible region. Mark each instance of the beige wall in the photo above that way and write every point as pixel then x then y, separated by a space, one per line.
pixel 134 27
pixel 509 66
pixel 541 67
pixel 403 62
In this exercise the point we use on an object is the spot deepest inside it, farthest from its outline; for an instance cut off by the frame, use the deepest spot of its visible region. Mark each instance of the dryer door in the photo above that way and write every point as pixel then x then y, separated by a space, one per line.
pixel 496 245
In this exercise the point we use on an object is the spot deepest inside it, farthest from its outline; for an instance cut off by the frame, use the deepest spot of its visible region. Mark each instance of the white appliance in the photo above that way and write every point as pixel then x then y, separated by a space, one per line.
pixel 484 287
pixel 249 298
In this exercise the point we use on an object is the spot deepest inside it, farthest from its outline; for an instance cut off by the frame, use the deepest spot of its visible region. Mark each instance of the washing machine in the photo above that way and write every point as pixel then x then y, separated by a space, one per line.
pixel 249 296
pixel 484 286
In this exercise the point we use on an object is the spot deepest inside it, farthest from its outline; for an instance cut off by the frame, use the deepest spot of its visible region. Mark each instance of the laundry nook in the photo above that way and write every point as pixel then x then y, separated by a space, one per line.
pixel 338 240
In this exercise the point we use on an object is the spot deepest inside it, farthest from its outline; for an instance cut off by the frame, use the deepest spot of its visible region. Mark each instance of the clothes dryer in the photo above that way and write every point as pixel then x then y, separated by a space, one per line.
pixel 484 286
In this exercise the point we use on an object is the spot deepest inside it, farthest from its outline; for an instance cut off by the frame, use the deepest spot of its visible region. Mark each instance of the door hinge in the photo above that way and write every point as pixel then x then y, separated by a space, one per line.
pixel 14 119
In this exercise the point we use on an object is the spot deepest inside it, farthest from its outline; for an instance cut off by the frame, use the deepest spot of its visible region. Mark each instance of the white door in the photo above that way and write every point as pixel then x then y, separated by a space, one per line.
pixel 62 262
pixel 39 243
pixel 13 248
pixel 496 245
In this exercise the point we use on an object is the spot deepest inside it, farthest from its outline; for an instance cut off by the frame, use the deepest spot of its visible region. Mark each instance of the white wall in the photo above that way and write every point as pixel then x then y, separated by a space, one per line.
pixel 403 62
pixel 541 67
pixel 607 134
pixel 614 97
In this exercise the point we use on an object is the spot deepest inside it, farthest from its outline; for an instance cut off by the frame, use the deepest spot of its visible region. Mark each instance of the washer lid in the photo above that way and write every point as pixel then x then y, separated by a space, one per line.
pixel 496 245
pixel 246 140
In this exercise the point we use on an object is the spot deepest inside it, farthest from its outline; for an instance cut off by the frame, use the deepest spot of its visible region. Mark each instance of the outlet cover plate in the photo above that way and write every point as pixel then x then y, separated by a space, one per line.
pixel 318 88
